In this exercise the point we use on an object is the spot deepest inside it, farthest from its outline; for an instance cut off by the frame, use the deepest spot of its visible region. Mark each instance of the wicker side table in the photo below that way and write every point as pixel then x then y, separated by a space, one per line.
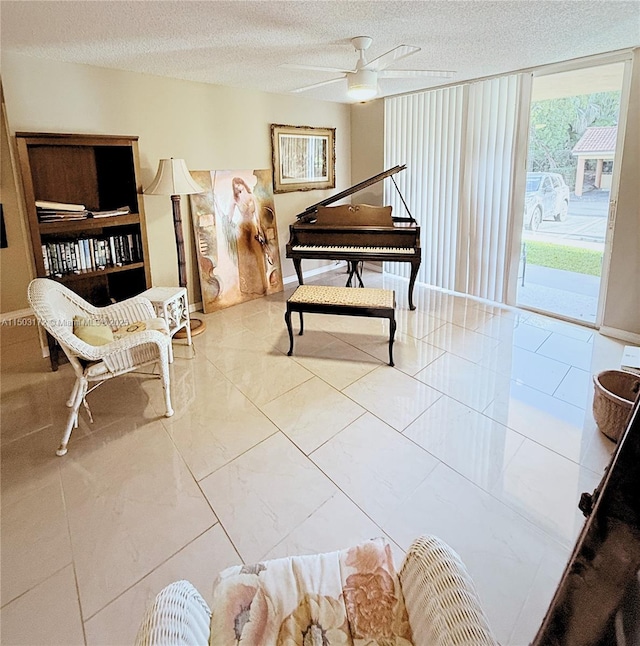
pixel 170 303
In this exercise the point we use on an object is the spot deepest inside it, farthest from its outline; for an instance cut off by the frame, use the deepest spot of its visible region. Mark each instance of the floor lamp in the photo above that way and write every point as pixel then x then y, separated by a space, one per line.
pixel 173 178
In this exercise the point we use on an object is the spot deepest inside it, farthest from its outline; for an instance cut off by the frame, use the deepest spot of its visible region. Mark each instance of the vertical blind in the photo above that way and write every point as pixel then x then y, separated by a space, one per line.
pixel 459 147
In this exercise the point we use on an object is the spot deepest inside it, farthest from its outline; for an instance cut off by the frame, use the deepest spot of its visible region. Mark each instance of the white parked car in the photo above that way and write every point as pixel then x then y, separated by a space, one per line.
pixel 547 198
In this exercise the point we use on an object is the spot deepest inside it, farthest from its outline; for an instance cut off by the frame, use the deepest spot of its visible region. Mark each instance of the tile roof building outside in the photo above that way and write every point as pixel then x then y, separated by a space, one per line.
pixel 598 139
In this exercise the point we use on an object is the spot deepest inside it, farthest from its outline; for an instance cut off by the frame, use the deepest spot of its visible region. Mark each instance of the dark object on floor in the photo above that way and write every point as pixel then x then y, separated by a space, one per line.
pixel 594 602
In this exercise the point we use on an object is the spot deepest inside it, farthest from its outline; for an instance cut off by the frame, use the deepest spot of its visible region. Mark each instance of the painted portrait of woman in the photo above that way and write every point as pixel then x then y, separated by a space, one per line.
pixel 250 238
pixel 237 237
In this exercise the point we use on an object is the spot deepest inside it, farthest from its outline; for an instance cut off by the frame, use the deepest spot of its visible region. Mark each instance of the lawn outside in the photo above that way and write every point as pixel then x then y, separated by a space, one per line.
pixel 566 257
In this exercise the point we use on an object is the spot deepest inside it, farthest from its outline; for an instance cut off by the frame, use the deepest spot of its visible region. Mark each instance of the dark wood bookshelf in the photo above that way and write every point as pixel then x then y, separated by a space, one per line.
pixel 100 172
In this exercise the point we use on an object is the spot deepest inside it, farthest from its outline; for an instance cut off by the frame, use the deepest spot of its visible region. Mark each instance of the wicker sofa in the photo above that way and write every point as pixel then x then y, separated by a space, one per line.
pixel 434 587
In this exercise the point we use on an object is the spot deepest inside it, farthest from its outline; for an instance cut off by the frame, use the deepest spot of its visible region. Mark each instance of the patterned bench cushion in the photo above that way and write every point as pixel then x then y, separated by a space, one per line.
pixel 350 296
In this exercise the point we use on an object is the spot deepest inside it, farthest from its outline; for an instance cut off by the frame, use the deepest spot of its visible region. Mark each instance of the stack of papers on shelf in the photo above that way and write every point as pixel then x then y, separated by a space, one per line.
pixel 631 359
pixel 123 210
pixel 59 206
pixel 52 211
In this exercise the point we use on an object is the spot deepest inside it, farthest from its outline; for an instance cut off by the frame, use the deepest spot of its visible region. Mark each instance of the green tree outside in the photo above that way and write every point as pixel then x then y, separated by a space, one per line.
pixel 557 124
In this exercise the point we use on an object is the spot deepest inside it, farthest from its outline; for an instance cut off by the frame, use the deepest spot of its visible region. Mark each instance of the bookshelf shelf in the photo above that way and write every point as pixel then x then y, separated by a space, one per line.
pixel 88 224
pixel 81 274
pixel 99 172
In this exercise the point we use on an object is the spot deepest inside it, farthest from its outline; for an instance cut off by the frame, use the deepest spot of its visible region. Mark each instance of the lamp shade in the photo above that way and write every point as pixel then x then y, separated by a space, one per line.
pixel 173 178
pixel 362 85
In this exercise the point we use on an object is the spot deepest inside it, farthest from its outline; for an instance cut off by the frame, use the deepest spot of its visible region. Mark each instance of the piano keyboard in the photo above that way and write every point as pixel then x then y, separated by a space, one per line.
pixel 391 251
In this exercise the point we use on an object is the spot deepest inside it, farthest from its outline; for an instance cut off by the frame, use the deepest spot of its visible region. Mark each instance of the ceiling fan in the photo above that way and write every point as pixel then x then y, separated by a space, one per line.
pixel 362 82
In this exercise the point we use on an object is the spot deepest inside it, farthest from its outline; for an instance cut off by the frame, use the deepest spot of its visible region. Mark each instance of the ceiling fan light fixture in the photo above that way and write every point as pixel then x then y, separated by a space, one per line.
pixel 362 85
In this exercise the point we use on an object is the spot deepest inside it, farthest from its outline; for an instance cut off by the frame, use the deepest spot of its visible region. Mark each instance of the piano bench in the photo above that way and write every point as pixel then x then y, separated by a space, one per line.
pixel 321 299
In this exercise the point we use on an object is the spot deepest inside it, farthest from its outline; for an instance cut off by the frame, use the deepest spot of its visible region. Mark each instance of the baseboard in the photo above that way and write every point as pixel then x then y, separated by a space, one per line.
pixel 314 272
pixel 622 335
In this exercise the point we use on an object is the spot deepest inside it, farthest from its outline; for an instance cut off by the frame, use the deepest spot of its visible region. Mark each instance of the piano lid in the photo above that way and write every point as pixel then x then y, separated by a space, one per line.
pixel 310 211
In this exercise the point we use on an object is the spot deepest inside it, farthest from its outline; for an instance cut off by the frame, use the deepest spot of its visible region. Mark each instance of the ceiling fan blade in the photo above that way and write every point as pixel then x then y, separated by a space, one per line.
pixel 399 74
pixel 313 68
pixel 395 54
pixel 315 85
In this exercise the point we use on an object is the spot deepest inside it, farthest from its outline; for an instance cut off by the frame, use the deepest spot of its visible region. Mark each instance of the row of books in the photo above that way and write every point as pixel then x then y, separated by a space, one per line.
pixel 91 254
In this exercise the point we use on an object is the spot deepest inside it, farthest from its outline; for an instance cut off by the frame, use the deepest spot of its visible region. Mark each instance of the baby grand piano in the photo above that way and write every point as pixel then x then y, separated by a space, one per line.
pixel 354 233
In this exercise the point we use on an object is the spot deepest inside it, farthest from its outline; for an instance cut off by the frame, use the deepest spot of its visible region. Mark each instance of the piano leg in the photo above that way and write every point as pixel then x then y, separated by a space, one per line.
pixel 354 273
pixel 297 263
pixel 357 270
pixel 415 266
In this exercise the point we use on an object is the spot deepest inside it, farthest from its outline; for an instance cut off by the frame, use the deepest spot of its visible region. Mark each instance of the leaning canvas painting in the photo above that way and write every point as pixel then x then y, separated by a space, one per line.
pixel 236 235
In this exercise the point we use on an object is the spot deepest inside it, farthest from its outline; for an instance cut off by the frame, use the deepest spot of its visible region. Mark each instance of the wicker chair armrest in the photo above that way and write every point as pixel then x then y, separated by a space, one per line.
pixel 130 310
pixel 441 601
pixel 179 616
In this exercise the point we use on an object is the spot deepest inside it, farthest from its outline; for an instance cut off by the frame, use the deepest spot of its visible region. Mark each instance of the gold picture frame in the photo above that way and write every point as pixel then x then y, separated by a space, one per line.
pixel 304 158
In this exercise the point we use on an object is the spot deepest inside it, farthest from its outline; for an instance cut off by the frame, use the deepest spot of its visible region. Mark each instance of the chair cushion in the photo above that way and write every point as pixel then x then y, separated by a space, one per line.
pixel 334 598
pixel 92 332
pixel 139 326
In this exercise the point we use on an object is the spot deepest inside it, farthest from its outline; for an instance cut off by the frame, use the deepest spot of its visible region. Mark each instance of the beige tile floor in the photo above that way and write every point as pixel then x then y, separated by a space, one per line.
pixel 482 434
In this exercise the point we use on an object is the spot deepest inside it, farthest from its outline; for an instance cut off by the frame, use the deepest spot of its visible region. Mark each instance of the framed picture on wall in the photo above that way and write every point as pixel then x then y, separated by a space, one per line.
pixel 304 158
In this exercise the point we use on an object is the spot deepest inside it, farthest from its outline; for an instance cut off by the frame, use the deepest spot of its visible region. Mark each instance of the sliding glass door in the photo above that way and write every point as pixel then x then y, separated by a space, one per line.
pixel 573 132
pixel 512 180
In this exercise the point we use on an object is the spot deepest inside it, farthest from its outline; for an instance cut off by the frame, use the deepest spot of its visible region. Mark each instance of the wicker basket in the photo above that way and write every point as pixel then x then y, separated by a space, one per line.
pixel 614 394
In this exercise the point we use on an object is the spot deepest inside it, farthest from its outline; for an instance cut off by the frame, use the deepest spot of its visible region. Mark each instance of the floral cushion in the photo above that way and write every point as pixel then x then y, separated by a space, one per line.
pixel 335 599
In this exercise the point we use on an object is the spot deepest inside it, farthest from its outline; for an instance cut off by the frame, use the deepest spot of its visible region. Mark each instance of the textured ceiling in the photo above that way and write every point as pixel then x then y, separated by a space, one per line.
pixel 243 43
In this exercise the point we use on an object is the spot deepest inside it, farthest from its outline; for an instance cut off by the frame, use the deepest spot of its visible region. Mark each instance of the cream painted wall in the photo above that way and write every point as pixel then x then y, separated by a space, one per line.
pixel 16 268
pixel 367 152
pixel 622 304
pixel 211 127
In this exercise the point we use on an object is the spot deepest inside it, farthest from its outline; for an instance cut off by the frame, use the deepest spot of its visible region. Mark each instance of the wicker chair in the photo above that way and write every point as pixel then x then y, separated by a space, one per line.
pixel 441 602
pixel 56 307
